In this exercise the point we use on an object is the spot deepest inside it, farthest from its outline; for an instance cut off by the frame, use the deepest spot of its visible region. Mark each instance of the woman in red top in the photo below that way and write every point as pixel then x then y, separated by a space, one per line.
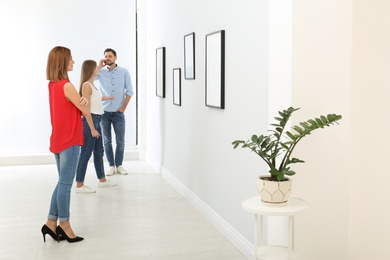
pixel 66 107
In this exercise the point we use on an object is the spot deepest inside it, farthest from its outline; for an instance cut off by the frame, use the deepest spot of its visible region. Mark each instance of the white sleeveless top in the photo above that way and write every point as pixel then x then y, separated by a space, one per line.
pixel 96 101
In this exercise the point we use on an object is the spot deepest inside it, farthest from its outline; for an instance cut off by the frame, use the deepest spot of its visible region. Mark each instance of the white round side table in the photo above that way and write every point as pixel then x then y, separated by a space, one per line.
pixel 268 252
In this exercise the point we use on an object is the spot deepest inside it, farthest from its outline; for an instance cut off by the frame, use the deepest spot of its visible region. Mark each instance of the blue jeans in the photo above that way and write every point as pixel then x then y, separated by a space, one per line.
pixel 66 161
pixel 91 144
pixel 117 120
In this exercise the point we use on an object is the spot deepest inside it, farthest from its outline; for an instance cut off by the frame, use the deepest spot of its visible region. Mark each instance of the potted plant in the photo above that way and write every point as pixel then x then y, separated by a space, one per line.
pixel 276 148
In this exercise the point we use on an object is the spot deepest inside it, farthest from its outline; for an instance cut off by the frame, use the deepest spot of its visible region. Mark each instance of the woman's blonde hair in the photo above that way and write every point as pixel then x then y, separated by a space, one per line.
pixel 57 64
pixel 87 70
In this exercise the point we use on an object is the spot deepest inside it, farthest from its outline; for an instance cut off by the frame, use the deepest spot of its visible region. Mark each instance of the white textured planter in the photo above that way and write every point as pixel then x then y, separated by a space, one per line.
pixel 273 193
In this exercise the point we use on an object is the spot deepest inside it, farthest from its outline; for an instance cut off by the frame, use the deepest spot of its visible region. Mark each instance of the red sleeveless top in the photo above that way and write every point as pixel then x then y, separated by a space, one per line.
pixel 67 127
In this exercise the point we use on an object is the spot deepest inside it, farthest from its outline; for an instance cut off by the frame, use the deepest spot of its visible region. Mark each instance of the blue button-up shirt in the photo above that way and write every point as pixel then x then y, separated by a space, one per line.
pixel 114 83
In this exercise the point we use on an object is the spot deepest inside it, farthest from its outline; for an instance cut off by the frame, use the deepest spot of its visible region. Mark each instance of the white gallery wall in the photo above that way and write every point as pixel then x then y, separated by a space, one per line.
pixel 368 173
pixel 321 84
pixel 339 64
pixel 30 29
pixel 191 143
pixel 341 56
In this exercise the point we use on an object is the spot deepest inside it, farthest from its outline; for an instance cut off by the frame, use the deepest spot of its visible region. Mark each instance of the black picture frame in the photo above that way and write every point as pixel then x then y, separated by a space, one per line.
pixel 160 72
pixel 189 56
pixel 176 79
pixel 215 69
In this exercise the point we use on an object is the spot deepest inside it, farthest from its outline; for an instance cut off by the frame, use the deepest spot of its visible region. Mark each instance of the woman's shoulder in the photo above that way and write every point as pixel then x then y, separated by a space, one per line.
pixel 60 83
pixel 89 83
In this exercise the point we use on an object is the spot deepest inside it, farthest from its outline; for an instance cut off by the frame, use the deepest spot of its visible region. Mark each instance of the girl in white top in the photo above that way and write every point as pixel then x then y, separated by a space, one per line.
pixel 92 130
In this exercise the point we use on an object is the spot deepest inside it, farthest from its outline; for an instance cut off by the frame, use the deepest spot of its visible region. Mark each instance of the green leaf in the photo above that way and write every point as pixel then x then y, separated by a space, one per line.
pixel 298 129
pixel 276 134
pixel 289 173
pixel 274 171
pixel 292 137
pixel 269 147
pixel 284 145
pixel 305 125
pixel 236 143
pixel 330 117
pixel 311 121
pixel 333 117
pixel 280 177
pixel 296 160
pixel 254 138
pixel 275 153
pixel 264 143
pixel 291 109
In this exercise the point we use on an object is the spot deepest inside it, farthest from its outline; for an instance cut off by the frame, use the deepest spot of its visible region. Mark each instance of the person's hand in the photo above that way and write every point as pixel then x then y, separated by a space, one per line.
pixel 120 110
pixel 107 98
pixel 83 101
pixel 102 63
pixel 95 133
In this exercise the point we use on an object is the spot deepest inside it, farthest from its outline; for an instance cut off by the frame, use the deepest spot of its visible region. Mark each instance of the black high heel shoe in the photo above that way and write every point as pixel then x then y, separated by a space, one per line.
pixel 61 233
pixel 46 230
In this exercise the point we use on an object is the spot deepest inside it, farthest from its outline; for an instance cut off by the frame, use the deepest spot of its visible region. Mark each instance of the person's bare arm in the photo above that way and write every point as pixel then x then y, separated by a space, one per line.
pixel 87 92
pixel 73 96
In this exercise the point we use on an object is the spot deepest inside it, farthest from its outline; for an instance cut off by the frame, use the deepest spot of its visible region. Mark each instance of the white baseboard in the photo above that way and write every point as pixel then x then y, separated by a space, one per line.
pixel 48 158
pixel 27 159
pixel 241 243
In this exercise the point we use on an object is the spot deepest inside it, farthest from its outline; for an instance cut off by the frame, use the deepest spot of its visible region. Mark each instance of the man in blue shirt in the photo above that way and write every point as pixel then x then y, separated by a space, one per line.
pixel 116 90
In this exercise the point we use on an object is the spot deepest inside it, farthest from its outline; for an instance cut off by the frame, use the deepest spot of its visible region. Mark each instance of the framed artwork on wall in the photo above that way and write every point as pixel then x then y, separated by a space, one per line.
pixel 160 72
pixel 189 56
pixel 215 70
pixel 176 86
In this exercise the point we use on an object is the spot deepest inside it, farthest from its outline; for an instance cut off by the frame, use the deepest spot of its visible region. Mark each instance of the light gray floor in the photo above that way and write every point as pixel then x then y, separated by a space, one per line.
pixel 141 218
